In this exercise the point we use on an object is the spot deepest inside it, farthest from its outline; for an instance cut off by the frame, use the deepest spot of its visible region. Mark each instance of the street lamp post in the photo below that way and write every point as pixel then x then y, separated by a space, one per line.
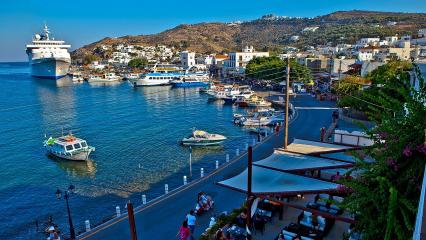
pixel 287 86
pixel 67 194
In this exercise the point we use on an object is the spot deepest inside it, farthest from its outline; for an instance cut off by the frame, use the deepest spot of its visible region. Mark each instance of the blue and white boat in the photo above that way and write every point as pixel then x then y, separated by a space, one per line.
pixel 157 77
pixel 192 80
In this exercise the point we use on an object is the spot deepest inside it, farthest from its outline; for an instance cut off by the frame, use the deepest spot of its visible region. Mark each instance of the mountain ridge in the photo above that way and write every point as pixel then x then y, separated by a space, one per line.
pixel 270 31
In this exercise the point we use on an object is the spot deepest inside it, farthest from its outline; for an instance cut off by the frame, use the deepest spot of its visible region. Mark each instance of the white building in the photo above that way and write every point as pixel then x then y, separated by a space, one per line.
pixel 309 29
pixel 368 53
pixel 294 38
pixel 239 60
pixel 422 33
pixel 367 41
pixel 391 40
pixel 187 59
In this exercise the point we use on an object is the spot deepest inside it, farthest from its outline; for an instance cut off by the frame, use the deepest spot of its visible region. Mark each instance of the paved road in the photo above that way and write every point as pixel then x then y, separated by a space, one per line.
pixel 162 219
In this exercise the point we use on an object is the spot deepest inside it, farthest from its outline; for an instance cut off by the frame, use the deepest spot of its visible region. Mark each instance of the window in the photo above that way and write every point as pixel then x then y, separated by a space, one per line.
pixel 150 77
pixel 83 144
pixel 77 146
pixel 68 147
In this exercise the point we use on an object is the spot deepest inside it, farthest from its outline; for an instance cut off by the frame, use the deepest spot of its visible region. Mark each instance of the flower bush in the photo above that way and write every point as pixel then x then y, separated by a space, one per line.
pixel 387 190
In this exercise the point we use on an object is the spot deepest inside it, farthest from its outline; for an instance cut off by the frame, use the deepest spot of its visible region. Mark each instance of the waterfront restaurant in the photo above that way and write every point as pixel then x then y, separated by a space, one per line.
pixel 298 172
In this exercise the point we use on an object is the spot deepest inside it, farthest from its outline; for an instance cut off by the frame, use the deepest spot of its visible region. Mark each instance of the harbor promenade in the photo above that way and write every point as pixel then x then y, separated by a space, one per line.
pixel 161 219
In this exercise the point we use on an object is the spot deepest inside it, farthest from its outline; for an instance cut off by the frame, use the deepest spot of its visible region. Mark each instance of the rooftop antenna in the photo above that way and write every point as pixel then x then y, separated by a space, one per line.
pixel 46 31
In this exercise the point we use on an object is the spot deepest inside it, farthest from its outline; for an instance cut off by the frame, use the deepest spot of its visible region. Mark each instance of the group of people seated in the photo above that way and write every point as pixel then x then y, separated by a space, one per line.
pixel 204 202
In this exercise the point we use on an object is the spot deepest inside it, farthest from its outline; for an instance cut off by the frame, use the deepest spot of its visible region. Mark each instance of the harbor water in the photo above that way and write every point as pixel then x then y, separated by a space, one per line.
pixel 135 132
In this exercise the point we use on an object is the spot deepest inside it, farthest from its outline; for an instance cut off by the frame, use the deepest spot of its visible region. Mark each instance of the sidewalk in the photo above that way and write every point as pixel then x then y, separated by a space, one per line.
pixel 161 219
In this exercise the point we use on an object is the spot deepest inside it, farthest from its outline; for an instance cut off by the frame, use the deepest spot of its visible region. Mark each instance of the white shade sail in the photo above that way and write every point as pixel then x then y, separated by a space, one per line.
pixel 312 147
pixel 286 161
pixel 271 182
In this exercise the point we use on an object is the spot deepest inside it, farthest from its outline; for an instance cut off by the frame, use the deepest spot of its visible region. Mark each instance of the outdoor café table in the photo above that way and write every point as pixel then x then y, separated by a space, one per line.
pixel 303 231
pixel 323 208
pixel 264 213
pixel 237 232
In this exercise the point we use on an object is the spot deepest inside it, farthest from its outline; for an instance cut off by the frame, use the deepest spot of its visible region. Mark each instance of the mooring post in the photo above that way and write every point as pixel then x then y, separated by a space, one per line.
pixel 117 211
pixel 87 223
pixel 143 199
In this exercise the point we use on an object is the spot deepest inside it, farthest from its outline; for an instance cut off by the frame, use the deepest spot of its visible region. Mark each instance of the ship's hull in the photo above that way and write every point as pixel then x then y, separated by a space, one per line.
pixel 81 156
pixel 149 82
pixel 52 68
pixel 190 84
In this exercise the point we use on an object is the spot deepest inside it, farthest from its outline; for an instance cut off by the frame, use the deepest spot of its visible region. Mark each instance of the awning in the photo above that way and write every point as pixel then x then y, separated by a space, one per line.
pixel 342 156
pixel 312 147
pixel 270 182
pixel 286 161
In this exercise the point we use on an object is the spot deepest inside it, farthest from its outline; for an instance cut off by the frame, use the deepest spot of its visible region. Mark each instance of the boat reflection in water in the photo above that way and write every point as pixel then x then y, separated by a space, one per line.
pixel 199 152
pixel 74 168
pixel 104 84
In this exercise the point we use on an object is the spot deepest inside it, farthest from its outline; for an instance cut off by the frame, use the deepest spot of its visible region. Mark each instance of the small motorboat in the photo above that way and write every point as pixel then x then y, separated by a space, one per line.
pixel 259 130
pixel 202 138
pixel 68 147
pixel 107 77
pixel 261 119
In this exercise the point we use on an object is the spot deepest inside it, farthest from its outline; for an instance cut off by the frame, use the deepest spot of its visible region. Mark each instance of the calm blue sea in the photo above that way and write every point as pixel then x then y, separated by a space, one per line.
pixel 135 132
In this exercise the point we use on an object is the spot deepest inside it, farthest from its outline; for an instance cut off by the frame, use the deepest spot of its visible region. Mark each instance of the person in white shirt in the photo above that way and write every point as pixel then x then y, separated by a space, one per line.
pixel 192 221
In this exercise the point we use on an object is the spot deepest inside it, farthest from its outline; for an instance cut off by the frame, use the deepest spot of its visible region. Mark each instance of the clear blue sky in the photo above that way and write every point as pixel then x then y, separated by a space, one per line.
pixel 81 22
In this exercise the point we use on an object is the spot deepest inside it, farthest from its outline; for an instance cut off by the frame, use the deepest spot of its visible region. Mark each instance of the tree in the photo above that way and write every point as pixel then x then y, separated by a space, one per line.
pixel 89 58
pixel 273 68
pixel 385 81
pixel 138 63
pixel 386 191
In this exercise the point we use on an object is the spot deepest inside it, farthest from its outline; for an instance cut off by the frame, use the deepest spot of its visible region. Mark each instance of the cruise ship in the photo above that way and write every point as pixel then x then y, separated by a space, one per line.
pixel 48 58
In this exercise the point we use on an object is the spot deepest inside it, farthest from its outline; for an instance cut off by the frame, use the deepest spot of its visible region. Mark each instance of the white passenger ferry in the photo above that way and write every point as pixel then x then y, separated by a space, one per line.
pixel 48 58
pixel 159 75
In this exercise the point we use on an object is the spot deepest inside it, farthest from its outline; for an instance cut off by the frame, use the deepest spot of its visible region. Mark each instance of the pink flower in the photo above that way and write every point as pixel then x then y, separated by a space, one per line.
pixel 383 135
pixel 422 149
pixel 407 151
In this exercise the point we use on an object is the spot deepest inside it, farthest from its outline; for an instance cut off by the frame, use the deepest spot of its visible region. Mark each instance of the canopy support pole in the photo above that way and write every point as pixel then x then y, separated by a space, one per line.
pixel 249 192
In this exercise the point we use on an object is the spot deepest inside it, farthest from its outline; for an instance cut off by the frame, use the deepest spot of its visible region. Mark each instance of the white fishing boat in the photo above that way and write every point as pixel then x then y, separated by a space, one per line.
pixel 259 103
pixel 261 119
pixel 202 138
pixel 131 76
pixel 77 77
pixel 68 147
pixel 107 77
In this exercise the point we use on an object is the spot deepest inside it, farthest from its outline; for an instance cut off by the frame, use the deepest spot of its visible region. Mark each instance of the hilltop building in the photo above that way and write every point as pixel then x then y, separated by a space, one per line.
pixel 238 60
pixel 187 59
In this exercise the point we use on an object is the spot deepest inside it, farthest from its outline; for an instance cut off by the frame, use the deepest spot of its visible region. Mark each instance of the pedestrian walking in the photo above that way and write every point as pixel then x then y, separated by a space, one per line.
pixel 277 128
pixel 322 134
pixel 192 222
pixel 184 231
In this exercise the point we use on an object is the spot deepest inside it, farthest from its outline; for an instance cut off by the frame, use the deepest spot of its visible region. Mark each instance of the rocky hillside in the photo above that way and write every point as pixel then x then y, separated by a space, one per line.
pixel 270 32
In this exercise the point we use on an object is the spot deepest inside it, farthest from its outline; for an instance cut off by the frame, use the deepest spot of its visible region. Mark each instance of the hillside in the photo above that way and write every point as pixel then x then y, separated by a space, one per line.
pixel 271 31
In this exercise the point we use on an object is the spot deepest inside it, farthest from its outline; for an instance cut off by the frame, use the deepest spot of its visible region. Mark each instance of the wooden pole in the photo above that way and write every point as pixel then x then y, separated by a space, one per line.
pixel 132 223
pixel 249 193
pixel 287 86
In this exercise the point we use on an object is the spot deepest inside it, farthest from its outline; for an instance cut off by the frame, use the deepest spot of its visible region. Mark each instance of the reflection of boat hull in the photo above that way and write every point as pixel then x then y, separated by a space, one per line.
pixel 189 84
pixel 81 156
pixel 201 142
pixel 150 82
